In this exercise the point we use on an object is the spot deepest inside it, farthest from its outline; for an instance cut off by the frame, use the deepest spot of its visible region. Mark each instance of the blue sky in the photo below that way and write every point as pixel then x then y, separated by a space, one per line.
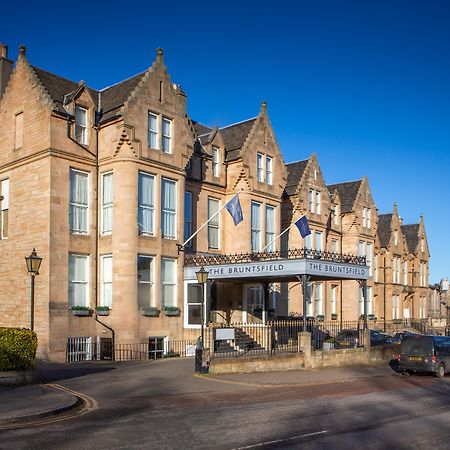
pixel 365 85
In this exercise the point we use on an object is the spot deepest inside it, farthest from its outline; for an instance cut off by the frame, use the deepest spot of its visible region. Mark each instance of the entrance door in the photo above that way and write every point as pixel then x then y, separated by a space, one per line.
pixel 254 304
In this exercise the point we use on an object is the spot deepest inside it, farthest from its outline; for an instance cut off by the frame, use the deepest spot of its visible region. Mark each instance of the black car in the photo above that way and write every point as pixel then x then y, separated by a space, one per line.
pixel 398 337
pixel 350 338
pixel 425 354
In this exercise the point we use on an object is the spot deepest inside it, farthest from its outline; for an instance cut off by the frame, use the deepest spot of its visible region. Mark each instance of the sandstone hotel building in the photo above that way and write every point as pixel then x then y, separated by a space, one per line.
pixel 107 184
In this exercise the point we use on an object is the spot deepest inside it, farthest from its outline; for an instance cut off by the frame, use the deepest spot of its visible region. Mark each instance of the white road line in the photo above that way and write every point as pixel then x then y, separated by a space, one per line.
pixel 283 440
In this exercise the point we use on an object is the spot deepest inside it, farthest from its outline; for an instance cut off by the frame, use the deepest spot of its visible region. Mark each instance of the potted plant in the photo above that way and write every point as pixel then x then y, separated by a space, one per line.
pixel 150 311
pixel 334 316
pixel 171 310
pixel 80 311
pixel 372 317
pixel 102 310
pixel 328 343
pixel 320 317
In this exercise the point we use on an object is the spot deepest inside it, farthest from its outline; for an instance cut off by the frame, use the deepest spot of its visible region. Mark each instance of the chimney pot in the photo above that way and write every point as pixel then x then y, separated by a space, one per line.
pixel 3 51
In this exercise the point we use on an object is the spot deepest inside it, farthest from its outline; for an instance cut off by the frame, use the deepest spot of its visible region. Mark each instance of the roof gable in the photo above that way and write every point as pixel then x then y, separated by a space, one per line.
pixel 348 192
pixel 384 229
pixel 411 233
pixel 295 171
pixel 234 137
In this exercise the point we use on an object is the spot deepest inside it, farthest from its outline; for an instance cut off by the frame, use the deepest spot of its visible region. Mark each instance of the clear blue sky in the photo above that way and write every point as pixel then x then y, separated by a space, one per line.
pixel 364 84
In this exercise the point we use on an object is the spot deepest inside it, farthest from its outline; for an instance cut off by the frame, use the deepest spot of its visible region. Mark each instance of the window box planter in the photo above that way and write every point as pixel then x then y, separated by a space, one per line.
pixel 81 311
pixel 150 311
pixel 102 310
pixel 171 310
pixel 320 318
pixel 372 317
pixel 334 316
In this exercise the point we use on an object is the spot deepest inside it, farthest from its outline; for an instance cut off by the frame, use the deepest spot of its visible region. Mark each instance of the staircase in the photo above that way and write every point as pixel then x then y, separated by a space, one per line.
pixel 243 344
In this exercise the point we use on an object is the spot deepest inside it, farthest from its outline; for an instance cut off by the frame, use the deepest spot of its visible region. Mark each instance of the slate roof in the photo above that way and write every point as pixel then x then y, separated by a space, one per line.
pixel 411 233
pixel 347 192
pixel 234 137
pixel 294 174
pixel 112 98
pixel 384 229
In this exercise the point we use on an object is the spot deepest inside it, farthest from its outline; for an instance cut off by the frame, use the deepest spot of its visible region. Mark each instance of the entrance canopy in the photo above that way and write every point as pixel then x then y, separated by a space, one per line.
pixel 272 267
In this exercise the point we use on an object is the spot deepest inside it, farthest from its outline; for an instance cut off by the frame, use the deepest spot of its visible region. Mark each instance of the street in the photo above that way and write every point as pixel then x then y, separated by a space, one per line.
pixel 162 405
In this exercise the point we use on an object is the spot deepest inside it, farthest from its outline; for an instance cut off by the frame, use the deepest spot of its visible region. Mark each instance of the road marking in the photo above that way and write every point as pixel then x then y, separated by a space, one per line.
pixel 87 404
pixel 277 441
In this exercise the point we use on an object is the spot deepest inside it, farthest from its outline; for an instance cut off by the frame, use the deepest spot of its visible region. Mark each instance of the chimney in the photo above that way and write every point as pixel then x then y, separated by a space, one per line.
pixel 6 67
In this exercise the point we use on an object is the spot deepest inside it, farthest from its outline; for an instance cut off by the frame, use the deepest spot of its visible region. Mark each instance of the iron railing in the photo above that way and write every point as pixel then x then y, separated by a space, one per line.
pixel 300 253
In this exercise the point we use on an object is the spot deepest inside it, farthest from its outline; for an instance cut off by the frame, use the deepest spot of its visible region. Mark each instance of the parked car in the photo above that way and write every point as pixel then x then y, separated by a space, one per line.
pixel 398 337
pixel 350 338
pixel 420 353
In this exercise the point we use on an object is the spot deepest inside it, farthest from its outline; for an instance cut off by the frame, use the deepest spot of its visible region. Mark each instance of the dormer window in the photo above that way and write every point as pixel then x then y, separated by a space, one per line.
pixel 336 214
pixel 81 134
pixel 422 245
pixel 159 132
pixel 215 162
pixel 260 167
pixel 269 161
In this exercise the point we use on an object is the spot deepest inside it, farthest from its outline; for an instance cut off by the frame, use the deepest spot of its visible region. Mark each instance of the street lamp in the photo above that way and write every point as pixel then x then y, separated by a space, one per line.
pixel 202 278
pixel 33 264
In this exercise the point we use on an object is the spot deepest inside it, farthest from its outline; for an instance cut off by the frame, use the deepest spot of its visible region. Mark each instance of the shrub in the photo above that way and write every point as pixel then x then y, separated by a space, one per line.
pixel 79 308
pixel 171 308
pixel 17 348
pixel 102 308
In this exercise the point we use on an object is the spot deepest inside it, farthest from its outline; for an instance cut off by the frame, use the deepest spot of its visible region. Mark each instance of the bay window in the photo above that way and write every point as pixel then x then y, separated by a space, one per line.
pixel 106 271
pixel 146 204
pixel 168 206
pixel 168 282
pixel 214 224
pixel 107 202
pixel 78 280
pixel 270 228
pixel 145 281
pixel 78 212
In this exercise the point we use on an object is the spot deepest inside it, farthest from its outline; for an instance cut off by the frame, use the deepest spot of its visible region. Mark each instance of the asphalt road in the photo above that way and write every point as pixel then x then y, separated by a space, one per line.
pixel 161 405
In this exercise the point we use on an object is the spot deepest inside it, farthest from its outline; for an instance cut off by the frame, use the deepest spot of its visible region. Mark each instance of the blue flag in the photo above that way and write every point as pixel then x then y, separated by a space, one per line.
pixel 303 226
pixel 235 210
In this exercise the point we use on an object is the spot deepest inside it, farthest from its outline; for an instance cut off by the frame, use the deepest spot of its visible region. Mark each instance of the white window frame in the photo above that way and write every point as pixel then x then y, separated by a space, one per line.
pixel 260 167
pixel 369 257
pixel 188 217
pixel 107 206
pixel 318 297
pixel 311 201
pixel 375 268
pixel 318 202
pixel 256 232
pixel 152 133
pixel 106 280
pixel 405 272
pixel 269 168
pixel 151 282
pixel 213 225
pixel 166 139
pixel 77 206
pixel 318 239
pixel 168 212
pixel 270 235
pixel 4 206
pixel 150 207
pixel 333 298
pixel 169 282
pixel 336 214
pixel 215 162
pixel 363 216
pixel 395 307
pixel 187 304
pixel 73 302
pixel 334 246
pixel 368 213
pixel 81 129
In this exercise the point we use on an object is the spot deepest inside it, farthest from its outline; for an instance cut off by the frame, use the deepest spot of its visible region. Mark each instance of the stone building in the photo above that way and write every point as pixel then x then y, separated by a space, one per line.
pixel 109 184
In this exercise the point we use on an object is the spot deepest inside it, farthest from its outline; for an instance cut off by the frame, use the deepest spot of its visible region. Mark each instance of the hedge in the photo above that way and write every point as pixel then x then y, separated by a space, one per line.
pixel 17 348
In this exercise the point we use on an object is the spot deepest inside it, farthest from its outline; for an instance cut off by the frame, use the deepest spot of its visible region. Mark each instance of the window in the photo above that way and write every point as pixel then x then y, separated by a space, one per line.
pixel 363 217
pixel 18 131
pixel 78 280
pixel 194 304
pixel 334 246
pixel 361 301
pixel 405 273
pixel 146 204
pixel 214 224
pixel 311 201
pixel 153 130
pixel 334 292
pixel 168 216
pixel 317 202
pixel 78 215
pixel 309 307
pixel 308 242
pixel 256 227
pixel 270 228
pixel 168 282
pixel 423 274
pixel 318 296
pixel 166 135
pixel 4 192
pixel 366 217
pixel 81 134
pixel 215 162
pixel 269 170
pixel 361 249
pixel 260 167
pixel 318 241
pixel 395 237
pixel 396 269
pixel 145 281
pixel 369 257
pixel 375 268
pixel 422 245
pixel 188 217
pixel 395 307
pixel 423 308
pixel 107 202
pixel 314 201
pixel 336 214
pixel 106 280
pixel 369 300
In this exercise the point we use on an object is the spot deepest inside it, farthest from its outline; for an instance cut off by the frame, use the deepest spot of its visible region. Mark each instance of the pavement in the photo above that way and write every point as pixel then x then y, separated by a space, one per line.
pixel 47 397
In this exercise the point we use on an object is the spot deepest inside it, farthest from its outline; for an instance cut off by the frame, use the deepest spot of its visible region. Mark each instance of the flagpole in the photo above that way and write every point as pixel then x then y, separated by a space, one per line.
pixel 281 234
pixel 206 223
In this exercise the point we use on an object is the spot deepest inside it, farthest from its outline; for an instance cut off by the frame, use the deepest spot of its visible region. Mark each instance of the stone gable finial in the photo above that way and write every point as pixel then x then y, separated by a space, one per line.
pixel 263 107
pixel 22 50
pixel 159 55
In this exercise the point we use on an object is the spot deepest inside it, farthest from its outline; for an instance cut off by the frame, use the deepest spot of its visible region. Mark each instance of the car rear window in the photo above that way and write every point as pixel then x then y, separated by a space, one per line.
pixel 417 345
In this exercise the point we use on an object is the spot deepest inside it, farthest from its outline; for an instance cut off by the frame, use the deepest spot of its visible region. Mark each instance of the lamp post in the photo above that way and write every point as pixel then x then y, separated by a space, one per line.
pixel 202 278
pixel 33 264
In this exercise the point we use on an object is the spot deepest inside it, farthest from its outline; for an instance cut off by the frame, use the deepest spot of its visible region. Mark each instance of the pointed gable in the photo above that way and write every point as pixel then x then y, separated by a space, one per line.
pixel 295 171
pixel 384 229
pixel 348 192
pixel 234 137
pixel 411 233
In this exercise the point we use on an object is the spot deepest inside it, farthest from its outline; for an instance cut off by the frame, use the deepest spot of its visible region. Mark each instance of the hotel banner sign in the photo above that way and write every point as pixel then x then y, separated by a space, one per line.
pixel 283 268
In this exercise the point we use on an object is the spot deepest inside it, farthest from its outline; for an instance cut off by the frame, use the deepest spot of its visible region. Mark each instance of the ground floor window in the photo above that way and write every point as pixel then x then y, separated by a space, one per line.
pixel 423 308
pixel 334 295
pixel 79 349
pixel 78 280
pixel 145 281
pixel 395 307
pixel 194 304
pixel 168 282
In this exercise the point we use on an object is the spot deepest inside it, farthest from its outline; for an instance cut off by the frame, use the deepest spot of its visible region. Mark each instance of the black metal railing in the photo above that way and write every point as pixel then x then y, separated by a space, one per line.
pixel 301 253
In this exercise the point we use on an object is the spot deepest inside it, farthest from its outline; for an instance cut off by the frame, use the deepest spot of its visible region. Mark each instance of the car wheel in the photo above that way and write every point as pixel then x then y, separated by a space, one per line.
pixel 406 372
pixel 440 372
